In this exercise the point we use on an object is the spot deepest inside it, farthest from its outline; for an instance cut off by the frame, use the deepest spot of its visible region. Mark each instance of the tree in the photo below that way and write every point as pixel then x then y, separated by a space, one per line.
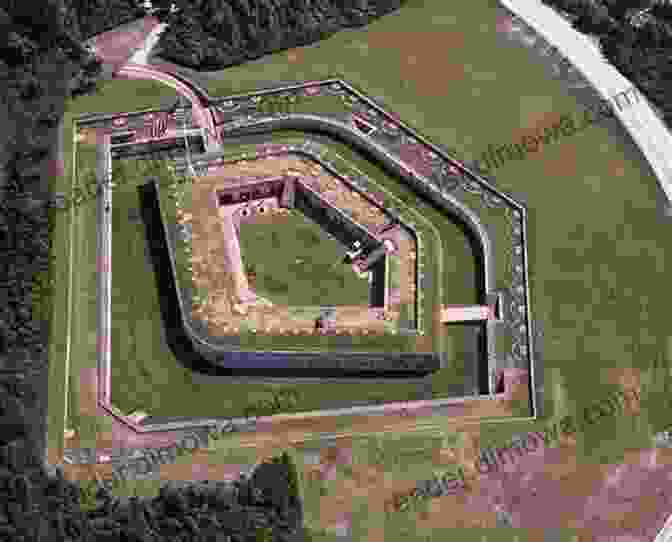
pixel 595 20
pixel 655 33
pixel 17 49
pixel 292 476
pixel 619 9
pixel 86 80
pixel 96 16
pixel 225 32
pixel 242 7
pixel 662 12
pixel 356 11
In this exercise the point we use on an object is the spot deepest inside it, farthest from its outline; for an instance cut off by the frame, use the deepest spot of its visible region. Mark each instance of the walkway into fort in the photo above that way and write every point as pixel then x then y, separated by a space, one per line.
pixel 201 113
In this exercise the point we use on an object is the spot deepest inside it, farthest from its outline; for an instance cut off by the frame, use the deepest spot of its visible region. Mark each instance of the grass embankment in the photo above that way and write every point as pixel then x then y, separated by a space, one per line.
pixel 596 277
pixel 142 358
pixel 66 360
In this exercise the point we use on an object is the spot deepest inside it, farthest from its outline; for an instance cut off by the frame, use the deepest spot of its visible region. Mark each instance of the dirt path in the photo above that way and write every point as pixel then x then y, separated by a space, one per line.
pixel 116 47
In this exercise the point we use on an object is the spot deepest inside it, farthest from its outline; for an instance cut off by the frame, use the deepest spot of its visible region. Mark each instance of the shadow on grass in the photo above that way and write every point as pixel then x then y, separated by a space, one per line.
pixel 476 343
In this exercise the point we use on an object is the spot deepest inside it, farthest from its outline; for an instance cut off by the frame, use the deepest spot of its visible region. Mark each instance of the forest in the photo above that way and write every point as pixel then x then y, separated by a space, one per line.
pixel 213 34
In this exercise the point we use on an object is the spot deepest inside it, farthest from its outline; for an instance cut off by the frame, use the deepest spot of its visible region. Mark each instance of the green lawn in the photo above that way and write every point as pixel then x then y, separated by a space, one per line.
pixel 297 265
pixel 596 247
pixel 64 360
pixel 408 459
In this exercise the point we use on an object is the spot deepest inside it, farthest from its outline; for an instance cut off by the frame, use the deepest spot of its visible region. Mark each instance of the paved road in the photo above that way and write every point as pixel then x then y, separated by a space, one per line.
pixel 201 113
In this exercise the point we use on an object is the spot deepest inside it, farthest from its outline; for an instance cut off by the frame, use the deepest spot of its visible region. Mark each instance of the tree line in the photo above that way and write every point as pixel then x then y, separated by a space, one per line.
pixel 213 34
pixel 635 36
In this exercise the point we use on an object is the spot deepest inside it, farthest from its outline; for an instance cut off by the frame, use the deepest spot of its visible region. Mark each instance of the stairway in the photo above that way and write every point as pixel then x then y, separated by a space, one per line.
pixel 180 165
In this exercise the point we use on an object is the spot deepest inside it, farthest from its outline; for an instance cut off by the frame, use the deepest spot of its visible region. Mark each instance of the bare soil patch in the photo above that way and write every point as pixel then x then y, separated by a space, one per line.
pixel 424 59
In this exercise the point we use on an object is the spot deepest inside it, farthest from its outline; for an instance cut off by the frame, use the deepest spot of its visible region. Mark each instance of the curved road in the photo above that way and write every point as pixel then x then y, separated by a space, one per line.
pixel 640 120
pixel 202 113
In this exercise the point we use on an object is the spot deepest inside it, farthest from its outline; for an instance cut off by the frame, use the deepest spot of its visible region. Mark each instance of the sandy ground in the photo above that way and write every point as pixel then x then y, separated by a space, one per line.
pixel 271 435
pixel 428 73
pixel 592 498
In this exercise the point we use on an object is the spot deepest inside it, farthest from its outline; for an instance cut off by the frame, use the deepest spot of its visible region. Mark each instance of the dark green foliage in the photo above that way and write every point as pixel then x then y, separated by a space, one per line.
pixel 635 37
pixel 213 34
pixel 595 21
pixel 292 475
pixel 40 43
pixel 17 49
pixel 85 80
pixel 40 21
pixel 662 12
pixel 39 59
pixel 96 16
pixel 12 419
pixel 619 9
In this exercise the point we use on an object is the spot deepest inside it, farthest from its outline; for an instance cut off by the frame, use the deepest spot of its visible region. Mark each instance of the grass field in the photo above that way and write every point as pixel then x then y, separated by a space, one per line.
pixel 298 266
pixel 596 246
pixel 114 96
